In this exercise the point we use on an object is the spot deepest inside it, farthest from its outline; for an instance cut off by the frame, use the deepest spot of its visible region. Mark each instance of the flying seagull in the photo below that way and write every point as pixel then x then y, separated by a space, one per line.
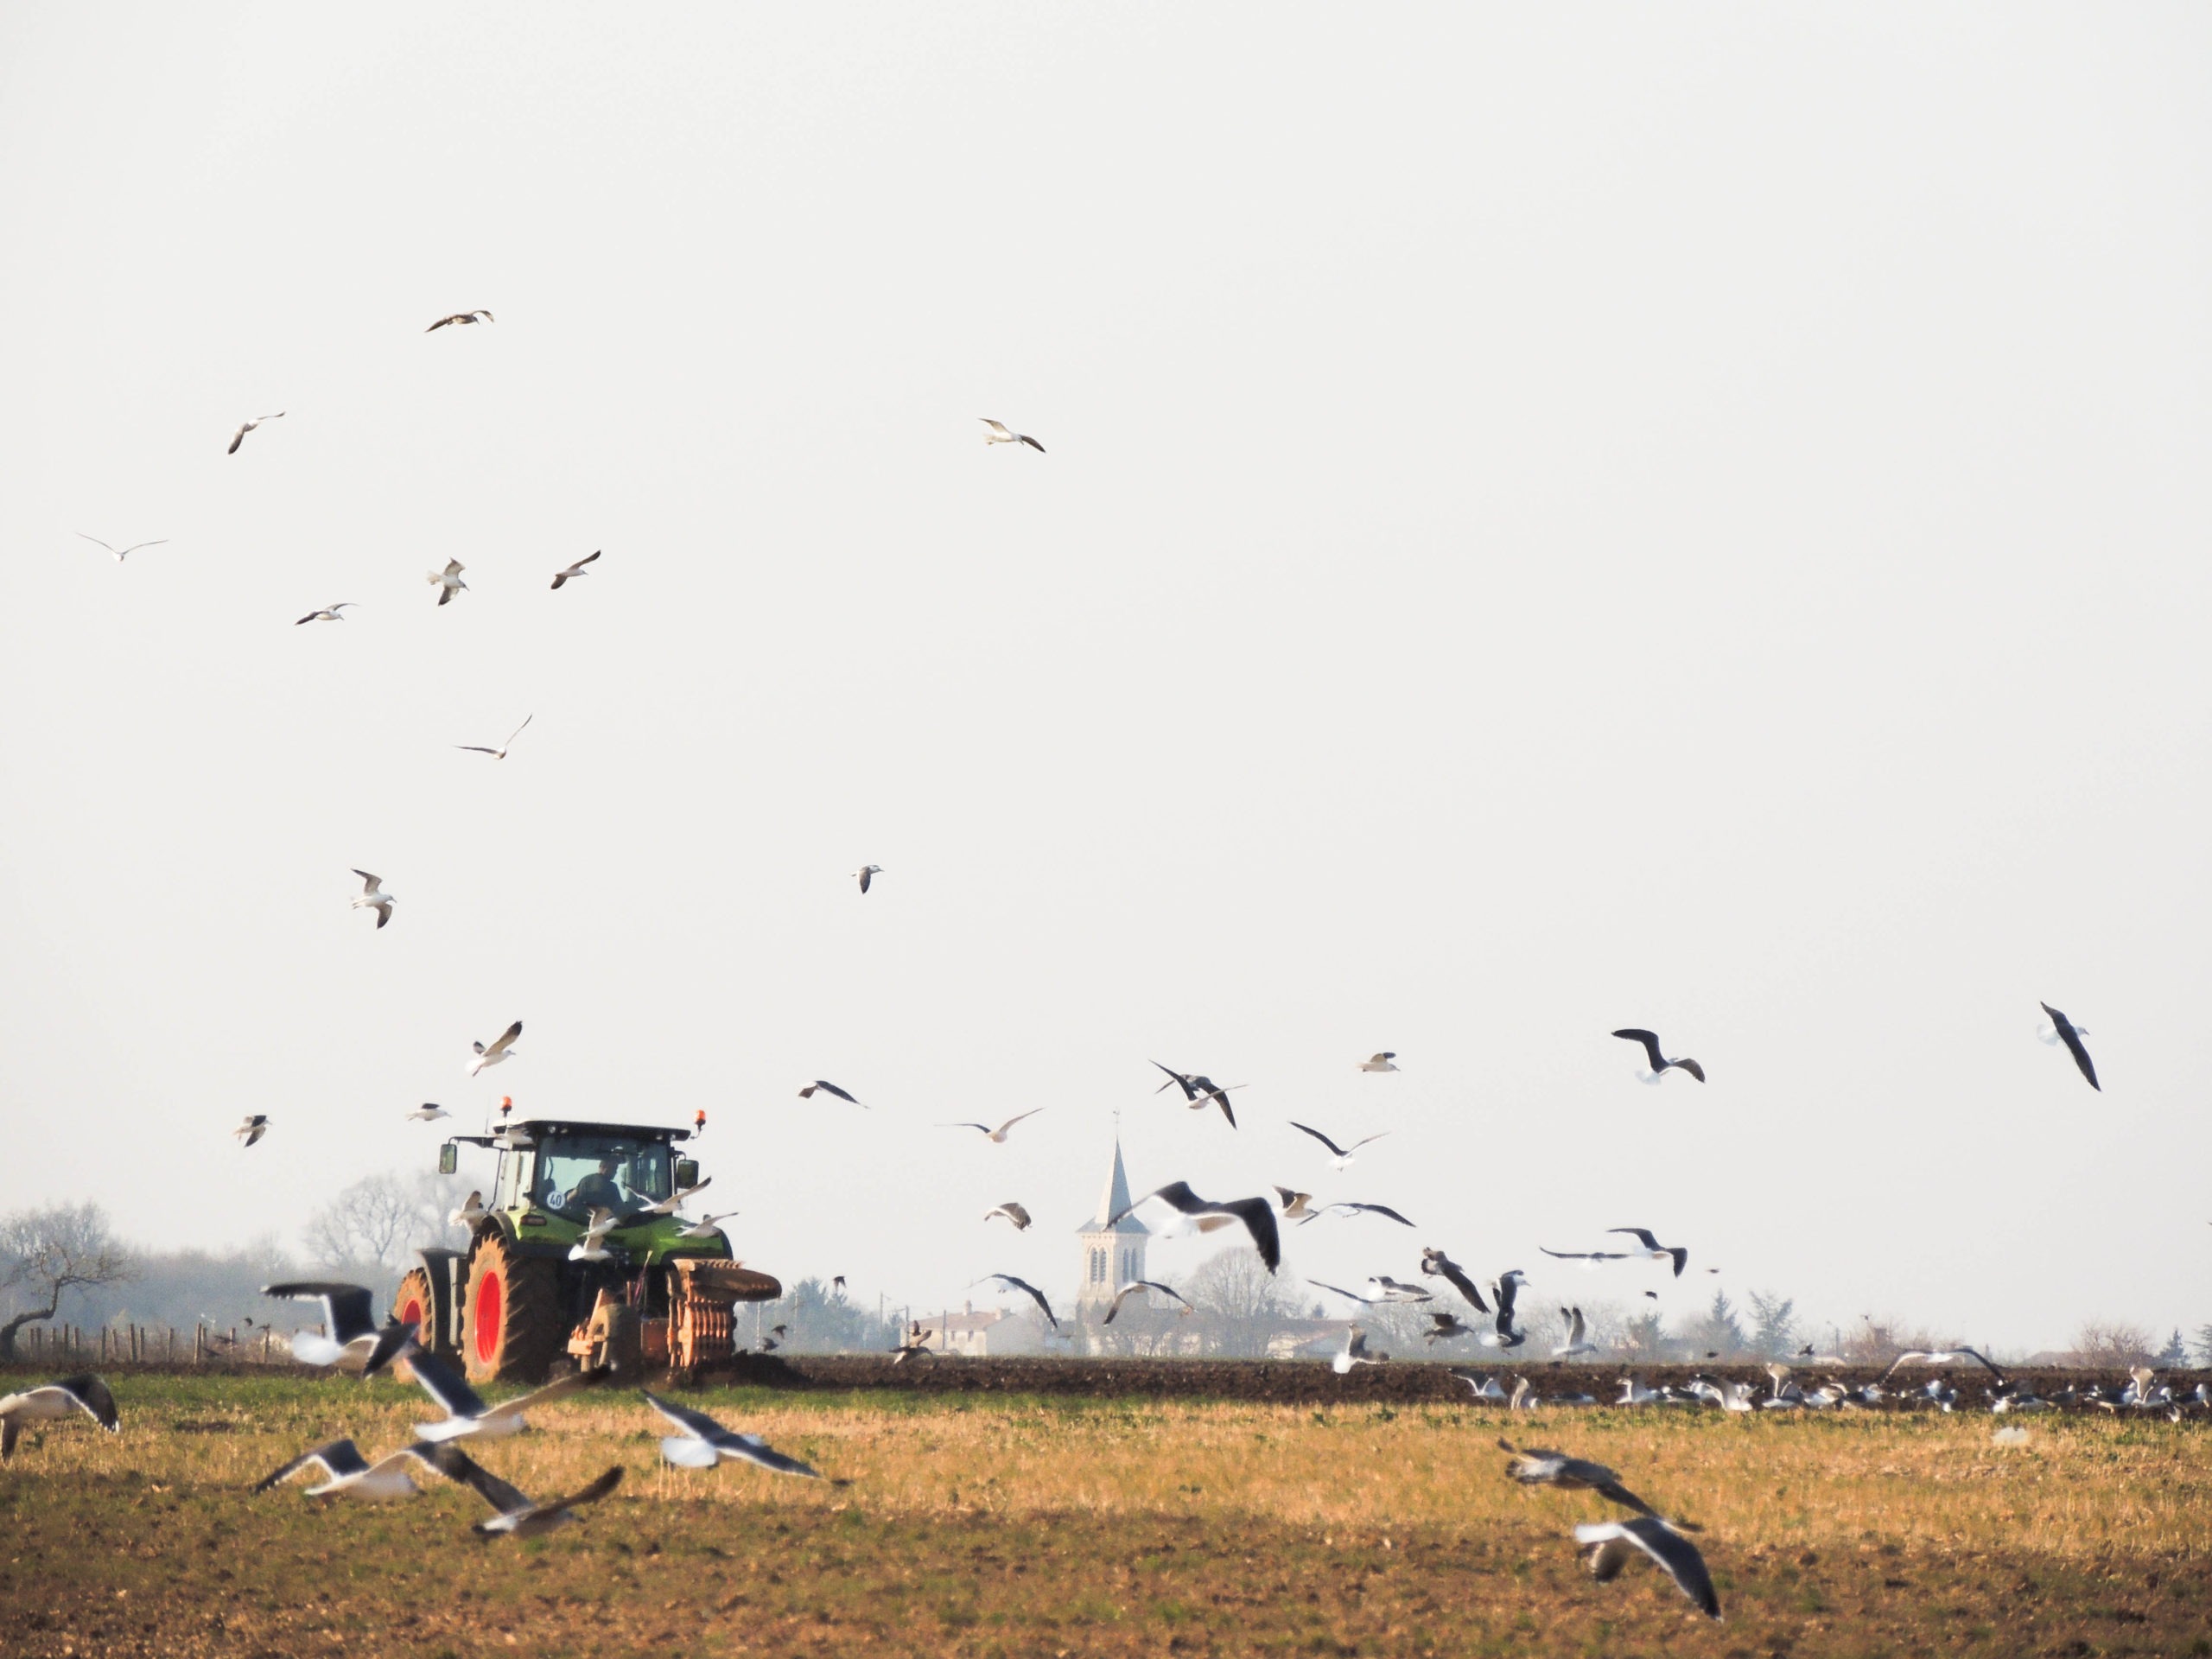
pixel 1258 1215
pixel 1035 1295
pixel 1125 1292
pixel 807 1093
pixel 328 614
pixel 347 1474
pixel 471 1211
pixel 592 1247
pixel 1358 1209
pixel 1356 1352
pixel 866 874
pixel 120 553
pixel 1446 1327
pixel 1606 1546
pixel 1001 433
pixel 462 317
pixel 1535 1466
pixel 1435 1262
pixel 447 581
pixel 499 753
pixel 513 1513
pixel 466 1412
pixel 1943 1357
pixel 1505 1287
pixel 1578 1340
pixel 500 1049
pixel 704 1442
pixel 1342 1153
pixel 1014 1212
pixel 51 1402
pixel 996 1137
pixel 2065 1031
pixel 352 1340
pixel 239 436
pixel 673 1202
pixel 429 1112
pixel 576 569
pixel 706 1226
pixel 1200 1090
pixel 1296 1206
pixel 373 897
pixel 1381 1289
pixel 252 1130
pixel 1380 1062
pixel 1660 1064
pixel 1654 1249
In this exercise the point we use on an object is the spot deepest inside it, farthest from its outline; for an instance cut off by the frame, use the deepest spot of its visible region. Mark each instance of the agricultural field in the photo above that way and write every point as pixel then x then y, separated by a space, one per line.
pixel 1027 1524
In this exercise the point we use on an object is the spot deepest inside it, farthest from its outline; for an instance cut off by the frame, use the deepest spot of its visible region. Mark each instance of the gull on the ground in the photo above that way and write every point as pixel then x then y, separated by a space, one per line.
pixel 1341 1156
pixel 703 1442
pixel 1535 1466
pixel 865 875
pixel 1258 1215
pixel 1000 432
pixel 252 1130
pixel 576 569
pixel 244 427
pixel 373 897
pixel 1606 1546
pixel 1351 1209
pixel 1199 1090
pixel 347 1474
pixel 1434 1263
pixel 996 1137
pixel 328 614
pixel 1036 1296
pixel 447 581
pixel 1356 1352
pixel 50 1403
pixel 460 317
pixel 1660 1064
pixel 2065 1031
pixel 514 1514
pixel 1122 1294
pixel 499 1049
pixel 352 1340
pixel 592 1247
pixel 120 553
pixel 1380 1061
pixel 706 1226
pixel 1578 1340
pixel 1633 1393
pixel 499 753
pixel 807 1093
pixel 429 1112
pixel 1012 1212
pixel 471 1211
pixel 466 1412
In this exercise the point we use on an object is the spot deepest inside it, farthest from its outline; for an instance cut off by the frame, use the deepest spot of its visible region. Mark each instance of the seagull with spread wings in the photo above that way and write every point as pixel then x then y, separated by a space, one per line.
pixel 515 1514
pixel 1943 1357
pixel 373 897
pixel 996 1137
pixel 347 1474
pixel 1505 1288
pixel 1000 432
pixel 466 1412
pixel 1351 1209
pixel 1036 1296
pixel 826 1088
pixel 1660 1064
pixel 1380 1061
pixel 1342 1154
pixel 1535 1466
pixel 1607 1546
pixel 51 1402
pixel 2063 1030
pixel 256 1126
pixel 352 1340
pixel 244 427
pixel 460 318
pixel 576 569
pixel 328 614
pixel 1578 1339
pixel 1123 1293
pixel 703 1443
pixel 499 753
pixel 1199 1090
pixel 447 581
pixel 1357 1352
pixel 120 553
pixel 1258 1215
pixel 1435 1263
pixel 500 1050
pixel 1011 1211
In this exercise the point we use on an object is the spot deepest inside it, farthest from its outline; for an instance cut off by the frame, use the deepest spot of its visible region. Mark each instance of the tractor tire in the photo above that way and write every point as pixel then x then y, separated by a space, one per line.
pixel 513 1328
pixel 415 1306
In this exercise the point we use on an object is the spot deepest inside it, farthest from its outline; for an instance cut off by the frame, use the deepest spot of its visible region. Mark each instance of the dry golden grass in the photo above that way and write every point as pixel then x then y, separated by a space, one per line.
pixel 1021 1526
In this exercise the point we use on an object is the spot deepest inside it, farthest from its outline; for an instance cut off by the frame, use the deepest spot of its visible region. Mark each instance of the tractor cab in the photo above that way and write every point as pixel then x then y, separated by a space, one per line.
pixel 530 1289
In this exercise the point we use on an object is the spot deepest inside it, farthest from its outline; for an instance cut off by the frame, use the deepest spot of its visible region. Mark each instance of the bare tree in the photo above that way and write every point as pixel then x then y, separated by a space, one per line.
pixel 1240 1301
pixel 45 1253
pixel 379 1222
pixel 2111 1344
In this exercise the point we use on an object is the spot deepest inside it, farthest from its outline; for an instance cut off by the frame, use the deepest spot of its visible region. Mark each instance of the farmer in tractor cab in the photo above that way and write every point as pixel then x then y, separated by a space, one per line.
pixel 600 1191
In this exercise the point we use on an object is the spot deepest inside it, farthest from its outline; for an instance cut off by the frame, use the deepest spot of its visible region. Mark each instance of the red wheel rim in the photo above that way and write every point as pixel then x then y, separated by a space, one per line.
pixel 411 1312
pixel 488 1298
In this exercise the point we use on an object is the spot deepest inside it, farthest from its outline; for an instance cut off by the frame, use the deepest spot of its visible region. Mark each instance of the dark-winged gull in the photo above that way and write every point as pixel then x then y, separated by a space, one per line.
pixel 1380 1061
pixel 499 753
pixel 244 427
pixel 466 1412
pixel 347 1474
pixel 807 1093
pixel 2065 1031
pixel 256 1126
pixel 1435 1263
pixel 50 1403
pixel 1607 1545
pixel 1258 1215
pixel 1000 432
pixel 513 1513
pixel 1123 1293
pixel 704 1443
pixel 1341 1156
pixel 576 569
pixel 1537 1466
pixel 1200 1090
pixel 1028 1289
pixel 1660 1064
pixel 497 1052
pixel 996 1137
pixel 461 318
pixel 352 1340
pixel 1011 1211
pixel 865 875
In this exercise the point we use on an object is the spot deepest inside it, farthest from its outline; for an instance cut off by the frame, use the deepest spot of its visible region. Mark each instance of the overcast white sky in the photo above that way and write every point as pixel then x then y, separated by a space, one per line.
pixel 1554 518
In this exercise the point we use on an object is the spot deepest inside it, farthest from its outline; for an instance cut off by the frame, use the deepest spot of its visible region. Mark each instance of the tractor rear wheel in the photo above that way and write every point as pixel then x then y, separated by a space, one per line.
pixel 513 1326
pixel 415 1306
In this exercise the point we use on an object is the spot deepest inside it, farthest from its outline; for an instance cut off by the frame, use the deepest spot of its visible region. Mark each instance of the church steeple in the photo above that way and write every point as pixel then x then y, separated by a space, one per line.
pixel 1113 1251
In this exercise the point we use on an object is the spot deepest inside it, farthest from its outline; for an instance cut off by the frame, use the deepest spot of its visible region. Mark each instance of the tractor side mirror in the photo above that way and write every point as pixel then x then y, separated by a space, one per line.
pixel 687 1171
pixel 448 1159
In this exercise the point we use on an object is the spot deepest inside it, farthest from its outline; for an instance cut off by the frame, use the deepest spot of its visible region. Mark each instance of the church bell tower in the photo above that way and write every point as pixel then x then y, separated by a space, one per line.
pixel 1113 1251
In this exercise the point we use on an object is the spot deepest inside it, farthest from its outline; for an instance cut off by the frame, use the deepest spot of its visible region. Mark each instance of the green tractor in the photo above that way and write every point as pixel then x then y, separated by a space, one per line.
pixel 515 1302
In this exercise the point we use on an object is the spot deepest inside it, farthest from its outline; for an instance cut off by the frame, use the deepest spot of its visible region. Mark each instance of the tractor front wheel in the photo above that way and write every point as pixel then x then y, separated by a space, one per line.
pixel 513 1327
pixel 415 1306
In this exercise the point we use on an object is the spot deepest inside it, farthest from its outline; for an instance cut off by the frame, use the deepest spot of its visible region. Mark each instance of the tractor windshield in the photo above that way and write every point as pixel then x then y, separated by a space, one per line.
pixel 578 1174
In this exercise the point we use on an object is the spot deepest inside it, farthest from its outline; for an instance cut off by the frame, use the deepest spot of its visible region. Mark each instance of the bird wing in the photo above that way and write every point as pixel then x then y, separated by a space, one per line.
pixel 2072 1038
pixel 391 1339
pixel 349 1308
pixel 1017 1118
pixel 1176 1195
pixel 1120 1296
pixel 1259 1219
pixel 696 1424
pixel 1651 1041
pixel 1681 1258
pixel 1380 1209
pixel 96 542
pixel 1322 1284
pixel 1177 1077
pixel 368 882
pixel 237 438
pixel 518 731
pixel 439 324
pixel 589 557
pixel 91 1394
pixel 755 1450
pixel 1036 1295
pixel 1363 1140
pixel 1987 1364
pixel 447 1387
pixel 985 1128
pixel 1677 1555
pixel 1318 1135
pixel 831 1088
pixel 500 1044
pixel 1221 1099
pixel 1032 442
pixel 1691 1067
pixel 338 1457
pixel 1386 1054
pixel 1583 1255
pixel 591 1494
pixel 1457 1276
pixel 999 426
pixel 456 1464
pixel 1641 1234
